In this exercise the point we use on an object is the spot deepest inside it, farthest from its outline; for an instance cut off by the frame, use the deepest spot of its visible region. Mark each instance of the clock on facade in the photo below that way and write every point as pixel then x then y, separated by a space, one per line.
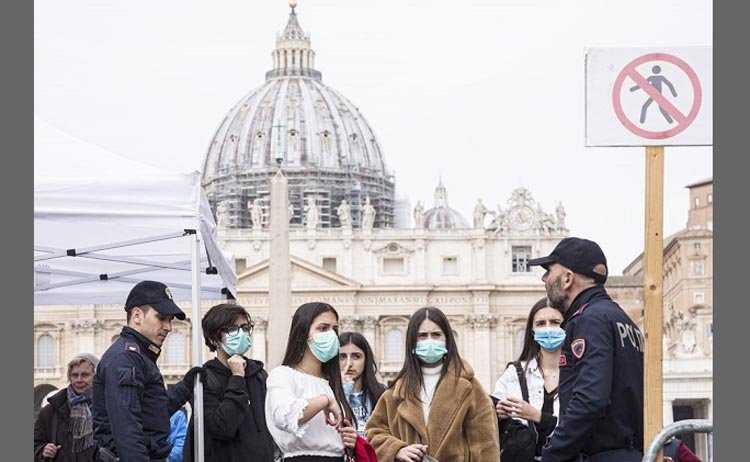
pixel 521 217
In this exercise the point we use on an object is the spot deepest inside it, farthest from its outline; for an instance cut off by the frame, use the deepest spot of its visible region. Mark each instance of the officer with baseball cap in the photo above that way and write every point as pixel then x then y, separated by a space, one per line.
pixel 131 406
pixel 601 362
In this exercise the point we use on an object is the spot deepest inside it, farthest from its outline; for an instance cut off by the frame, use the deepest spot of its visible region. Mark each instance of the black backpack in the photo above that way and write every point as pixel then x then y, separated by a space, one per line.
pixel 517 441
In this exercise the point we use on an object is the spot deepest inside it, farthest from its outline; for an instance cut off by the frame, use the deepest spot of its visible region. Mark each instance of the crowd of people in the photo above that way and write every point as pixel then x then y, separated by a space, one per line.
pixel 575 393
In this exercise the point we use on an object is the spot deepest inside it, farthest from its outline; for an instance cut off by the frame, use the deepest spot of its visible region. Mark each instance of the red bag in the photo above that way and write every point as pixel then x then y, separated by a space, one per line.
pixel 363 451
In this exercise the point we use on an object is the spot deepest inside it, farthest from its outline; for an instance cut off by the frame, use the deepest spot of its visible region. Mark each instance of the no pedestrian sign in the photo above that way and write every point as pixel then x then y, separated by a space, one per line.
pixel 649 97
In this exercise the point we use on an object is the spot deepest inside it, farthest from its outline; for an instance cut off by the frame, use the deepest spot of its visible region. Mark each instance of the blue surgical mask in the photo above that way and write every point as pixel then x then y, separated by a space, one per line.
pixel 237 344
pixel 430 351
pixel 325 346
pixel 550 338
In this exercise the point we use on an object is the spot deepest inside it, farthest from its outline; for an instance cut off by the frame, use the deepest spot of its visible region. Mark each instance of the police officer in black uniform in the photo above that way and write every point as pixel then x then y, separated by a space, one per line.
pixel 601 362
pixel 131 406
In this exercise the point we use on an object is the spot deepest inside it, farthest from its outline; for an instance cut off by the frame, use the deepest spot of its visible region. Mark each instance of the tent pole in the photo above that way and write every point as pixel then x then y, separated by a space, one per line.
pixel 197 359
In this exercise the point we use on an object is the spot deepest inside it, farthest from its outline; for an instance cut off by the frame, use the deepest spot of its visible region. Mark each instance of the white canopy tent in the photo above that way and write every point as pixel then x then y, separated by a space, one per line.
pixel 102 223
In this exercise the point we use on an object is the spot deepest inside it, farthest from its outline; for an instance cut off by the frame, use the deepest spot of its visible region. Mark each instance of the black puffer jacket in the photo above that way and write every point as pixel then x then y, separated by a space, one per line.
pixel 57 410
pixel 234 416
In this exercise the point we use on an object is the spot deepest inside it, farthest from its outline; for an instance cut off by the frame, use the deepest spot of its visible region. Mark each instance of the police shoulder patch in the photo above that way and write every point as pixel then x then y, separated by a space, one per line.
pixel 578 346
pixel 132 346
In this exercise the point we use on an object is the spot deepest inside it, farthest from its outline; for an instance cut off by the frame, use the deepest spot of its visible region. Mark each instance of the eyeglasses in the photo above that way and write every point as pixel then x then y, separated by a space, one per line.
pixel 232 330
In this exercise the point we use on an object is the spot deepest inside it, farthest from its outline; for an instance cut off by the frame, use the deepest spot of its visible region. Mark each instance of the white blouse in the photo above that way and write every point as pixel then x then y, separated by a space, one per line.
pixel 508 385
pixel 286 399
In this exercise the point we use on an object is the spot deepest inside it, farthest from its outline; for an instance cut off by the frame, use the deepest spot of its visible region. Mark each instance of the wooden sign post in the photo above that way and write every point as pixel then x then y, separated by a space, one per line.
pixel 653 268
pixel 652 97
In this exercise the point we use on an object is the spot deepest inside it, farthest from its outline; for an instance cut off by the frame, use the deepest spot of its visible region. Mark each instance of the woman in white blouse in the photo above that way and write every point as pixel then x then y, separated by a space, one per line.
pixel 306 410
pixel 539 360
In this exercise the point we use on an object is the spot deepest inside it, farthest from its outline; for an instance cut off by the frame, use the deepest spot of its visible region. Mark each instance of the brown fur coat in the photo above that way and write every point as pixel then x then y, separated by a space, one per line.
pixel 462 424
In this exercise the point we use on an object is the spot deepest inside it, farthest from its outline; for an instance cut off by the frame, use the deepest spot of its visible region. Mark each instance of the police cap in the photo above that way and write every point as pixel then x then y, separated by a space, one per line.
pixel 156 295
pixel 582 256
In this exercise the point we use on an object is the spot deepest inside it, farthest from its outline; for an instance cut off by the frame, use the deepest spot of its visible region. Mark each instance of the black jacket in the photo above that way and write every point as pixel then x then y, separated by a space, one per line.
pixel 234 415
pixel 131 405
pixel 59 410
pixel 601 380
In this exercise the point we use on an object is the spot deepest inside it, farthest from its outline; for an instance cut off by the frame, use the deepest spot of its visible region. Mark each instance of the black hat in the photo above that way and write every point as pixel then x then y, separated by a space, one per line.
pixel 154 294
pixel 579 255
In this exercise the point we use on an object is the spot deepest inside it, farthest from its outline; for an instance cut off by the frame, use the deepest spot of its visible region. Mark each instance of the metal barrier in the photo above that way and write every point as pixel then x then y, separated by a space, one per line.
pixel 678 428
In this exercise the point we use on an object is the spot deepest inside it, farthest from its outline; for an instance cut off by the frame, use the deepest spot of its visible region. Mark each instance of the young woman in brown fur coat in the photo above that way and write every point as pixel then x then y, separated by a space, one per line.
pixel 435 406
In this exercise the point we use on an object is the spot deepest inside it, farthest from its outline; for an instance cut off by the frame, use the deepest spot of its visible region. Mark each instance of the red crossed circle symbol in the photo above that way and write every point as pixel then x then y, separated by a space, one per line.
pixel 683 121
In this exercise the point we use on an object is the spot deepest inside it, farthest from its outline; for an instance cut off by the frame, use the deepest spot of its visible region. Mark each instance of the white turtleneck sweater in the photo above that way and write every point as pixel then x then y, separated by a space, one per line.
pixel 430 377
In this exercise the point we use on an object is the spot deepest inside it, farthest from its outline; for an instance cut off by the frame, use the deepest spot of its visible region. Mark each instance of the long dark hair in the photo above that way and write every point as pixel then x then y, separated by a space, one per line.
pixel 531 349
pixel 370 385
pixel 411 372
pixel 297 344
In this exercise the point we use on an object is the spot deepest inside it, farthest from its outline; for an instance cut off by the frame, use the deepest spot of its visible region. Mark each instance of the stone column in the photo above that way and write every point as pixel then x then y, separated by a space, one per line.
pixel 420 261
pixel 667 412
pixel 279 291
pixel 260 339
pixel 349 324
pixel 84 332
pixel 481 324
pixel 479 260
pixel 369 323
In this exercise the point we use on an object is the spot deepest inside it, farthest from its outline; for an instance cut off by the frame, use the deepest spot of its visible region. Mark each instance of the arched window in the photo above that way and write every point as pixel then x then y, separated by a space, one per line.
pixel 176 348
pixel 518 342
pixel 45 351
pixel 394 345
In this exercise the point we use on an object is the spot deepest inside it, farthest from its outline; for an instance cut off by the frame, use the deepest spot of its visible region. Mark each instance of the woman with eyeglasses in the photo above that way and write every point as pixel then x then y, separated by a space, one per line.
pixel 234 392
pixel 306 409
pixel 435 409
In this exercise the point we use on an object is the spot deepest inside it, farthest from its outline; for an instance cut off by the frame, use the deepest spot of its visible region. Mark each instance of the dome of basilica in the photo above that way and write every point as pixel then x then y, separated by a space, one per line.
pixel 441 216
pixel 322 141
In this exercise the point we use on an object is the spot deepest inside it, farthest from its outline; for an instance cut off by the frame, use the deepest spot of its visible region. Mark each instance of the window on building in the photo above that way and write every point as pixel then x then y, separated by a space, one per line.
pixel 710 225
pixel 393 265
pixel 450 265
pixel 521 256
pixel 241 265
pixel 329 263
pixel 394 345
pixel 710 330
pixel 698 297
pixel 696 246
pixel 710 199
pixel 698 268
pixel 696 202
pixel 176 348
pixel 45 351
pixel 518 342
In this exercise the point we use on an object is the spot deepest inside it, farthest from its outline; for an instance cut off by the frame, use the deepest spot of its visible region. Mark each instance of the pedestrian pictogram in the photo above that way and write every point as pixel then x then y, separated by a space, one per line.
pixel 654 87
pixel 649 96
pixel 656 81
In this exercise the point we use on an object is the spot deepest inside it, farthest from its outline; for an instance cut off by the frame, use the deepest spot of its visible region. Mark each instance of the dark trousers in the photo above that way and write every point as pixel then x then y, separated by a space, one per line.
pixel 615 455
pixel 314 459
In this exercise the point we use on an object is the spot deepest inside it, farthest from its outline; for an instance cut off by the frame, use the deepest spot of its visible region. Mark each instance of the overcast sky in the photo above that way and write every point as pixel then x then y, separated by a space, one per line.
pixel 488 94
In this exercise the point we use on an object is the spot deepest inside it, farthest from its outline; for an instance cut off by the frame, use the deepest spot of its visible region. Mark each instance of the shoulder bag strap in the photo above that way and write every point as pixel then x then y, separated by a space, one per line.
pixel 522 381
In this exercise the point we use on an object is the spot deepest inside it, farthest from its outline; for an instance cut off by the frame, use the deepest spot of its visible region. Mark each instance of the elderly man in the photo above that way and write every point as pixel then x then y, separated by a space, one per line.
pixel 131 404
pixel 64 431
pixel 601 362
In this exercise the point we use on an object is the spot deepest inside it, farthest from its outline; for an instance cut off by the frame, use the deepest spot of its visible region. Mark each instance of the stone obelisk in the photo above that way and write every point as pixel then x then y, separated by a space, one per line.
pixel 279 291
